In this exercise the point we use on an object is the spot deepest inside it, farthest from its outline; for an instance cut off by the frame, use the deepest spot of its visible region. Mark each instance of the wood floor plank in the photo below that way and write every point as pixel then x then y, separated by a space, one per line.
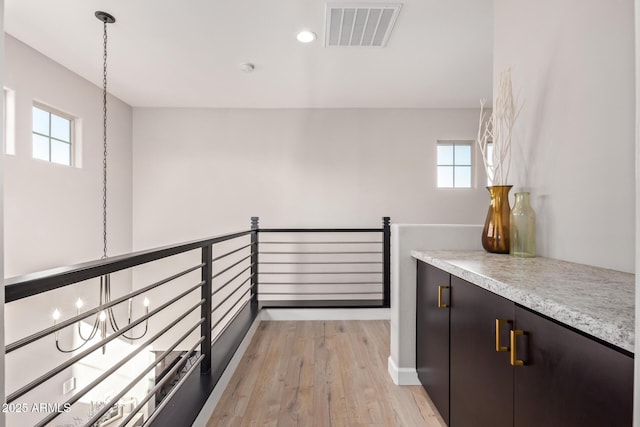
pixel 320 373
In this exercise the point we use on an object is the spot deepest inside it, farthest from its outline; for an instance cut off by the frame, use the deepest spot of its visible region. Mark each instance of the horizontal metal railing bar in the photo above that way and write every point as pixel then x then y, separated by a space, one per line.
pixel 325 242
pixel 321 293
pixel 317 262
pixel 230 294
pixel 173 391
pixel 230 309
pixel 141 376
pixel 320 253
pixel 55 371
pixel 319 303
pixel 321 230
pixel 221 272
pixel 230 253
pixel 219 288
pixel 319 283
pixel 41 334
pixel 35 283
pixel 121 363
pixel 320 272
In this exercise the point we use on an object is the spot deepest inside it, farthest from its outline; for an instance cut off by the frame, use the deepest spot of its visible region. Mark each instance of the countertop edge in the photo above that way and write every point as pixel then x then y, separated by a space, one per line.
pixel 607 331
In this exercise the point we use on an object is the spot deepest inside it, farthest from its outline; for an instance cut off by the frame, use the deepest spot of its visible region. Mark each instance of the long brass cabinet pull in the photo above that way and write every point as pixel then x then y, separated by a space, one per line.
pixel 513 334
pixel 500 322
pixel 440 304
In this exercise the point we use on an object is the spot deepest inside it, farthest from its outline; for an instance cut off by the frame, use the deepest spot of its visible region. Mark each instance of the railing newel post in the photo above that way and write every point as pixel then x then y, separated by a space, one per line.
pixel 255 228
pixel 386 257
pixel 205 329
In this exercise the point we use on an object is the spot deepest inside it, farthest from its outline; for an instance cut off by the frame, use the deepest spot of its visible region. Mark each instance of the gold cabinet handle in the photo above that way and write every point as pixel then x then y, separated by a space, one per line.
pixel 514 352
pixel 440 304
pixel 500 322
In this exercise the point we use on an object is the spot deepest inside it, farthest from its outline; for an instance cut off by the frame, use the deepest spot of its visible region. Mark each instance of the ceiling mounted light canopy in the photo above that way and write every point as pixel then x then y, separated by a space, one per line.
pixel 306 36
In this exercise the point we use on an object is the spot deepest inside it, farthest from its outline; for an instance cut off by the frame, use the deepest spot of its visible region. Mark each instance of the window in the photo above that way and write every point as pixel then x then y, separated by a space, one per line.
pixel 52 136
pixel 454 164
pixel 9 121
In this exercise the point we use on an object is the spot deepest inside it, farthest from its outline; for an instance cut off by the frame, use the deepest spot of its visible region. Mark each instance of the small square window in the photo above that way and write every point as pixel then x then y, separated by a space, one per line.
pixel 52 136
pixel 454 164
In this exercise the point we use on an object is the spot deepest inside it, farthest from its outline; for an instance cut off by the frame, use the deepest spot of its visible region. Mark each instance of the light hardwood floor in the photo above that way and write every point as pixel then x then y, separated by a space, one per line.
pixel 320 373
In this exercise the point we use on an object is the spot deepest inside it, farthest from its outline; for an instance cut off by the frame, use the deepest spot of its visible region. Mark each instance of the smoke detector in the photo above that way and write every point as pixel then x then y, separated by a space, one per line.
pixel 360 24
pixel 247 67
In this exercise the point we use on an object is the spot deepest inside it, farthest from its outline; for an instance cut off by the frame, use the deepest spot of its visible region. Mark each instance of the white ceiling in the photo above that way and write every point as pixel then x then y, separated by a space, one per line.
pixel 186 53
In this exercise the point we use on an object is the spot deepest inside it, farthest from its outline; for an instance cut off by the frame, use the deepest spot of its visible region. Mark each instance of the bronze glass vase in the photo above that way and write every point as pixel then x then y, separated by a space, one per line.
pixel 495 235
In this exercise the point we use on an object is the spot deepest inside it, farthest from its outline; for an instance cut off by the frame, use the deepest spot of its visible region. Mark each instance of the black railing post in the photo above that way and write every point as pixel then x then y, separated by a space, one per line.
pixel 205 329
pixel 386 255
pixel 254 262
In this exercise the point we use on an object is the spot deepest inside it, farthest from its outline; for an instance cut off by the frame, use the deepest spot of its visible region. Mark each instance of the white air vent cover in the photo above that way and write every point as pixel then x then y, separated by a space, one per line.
pixel 360 24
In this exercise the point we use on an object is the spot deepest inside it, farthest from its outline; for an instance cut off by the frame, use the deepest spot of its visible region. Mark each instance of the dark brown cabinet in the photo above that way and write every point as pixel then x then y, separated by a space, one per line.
pixel 568 379
pixel 486 361
pixel 432 329
pixel 481 378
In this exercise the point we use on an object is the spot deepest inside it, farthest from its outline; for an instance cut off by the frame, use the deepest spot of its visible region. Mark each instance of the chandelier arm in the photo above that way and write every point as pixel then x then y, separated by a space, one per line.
pixel 62 350
pixel 94 329
pixel 114 324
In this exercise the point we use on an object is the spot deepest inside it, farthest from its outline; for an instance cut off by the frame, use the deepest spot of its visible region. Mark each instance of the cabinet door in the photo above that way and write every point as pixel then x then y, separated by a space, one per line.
pixel 568 379
pixel 481 377
pixel 432 336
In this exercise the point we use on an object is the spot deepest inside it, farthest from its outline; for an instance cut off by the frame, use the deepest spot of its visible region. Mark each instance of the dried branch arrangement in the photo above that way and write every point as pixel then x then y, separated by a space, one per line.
pixel 496 131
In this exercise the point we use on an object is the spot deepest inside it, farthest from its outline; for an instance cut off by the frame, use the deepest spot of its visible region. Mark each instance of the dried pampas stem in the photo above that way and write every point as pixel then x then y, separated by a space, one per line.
pixel 497 130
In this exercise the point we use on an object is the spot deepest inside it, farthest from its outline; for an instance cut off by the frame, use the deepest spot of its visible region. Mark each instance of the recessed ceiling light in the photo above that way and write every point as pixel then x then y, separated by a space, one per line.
pixel 306 36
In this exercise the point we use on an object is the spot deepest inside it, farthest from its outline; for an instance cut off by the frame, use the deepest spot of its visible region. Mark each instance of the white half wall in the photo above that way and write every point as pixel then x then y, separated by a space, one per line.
pixel 404 239
pixel 573 69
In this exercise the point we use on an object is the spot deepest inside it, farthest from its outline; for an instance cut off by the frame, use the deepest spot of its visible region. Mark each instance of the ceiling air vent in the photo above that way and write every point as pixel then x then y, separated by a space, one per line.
pixel 360 24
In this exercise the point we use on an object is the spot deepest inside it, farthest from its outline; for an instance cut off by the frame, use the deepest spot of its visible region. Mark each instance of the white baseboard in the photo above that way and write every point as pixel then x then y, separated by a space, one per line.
pixel 402 376
pixel 216 394
pixel 326 314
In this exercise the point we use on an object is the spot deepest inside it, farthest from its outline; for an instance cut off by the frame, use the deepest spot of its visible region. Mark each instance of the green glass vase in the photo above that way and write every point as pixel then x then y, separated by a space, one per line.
pixel 523 228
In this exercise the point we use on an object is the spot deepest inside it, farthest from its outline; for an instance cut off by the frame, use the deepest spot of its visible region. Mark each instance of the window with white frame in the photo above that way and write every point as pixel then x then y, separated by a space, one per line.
pixel 52 135
pixel 454 164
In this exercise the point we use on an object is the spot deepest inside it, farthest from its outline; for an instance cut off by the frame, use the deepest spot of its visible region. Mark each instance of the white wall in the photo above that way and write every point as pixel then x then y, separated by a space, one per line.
pixel 573 67
pixel 53 213
pixel 636 383
pixel 201 172
pixel 2 77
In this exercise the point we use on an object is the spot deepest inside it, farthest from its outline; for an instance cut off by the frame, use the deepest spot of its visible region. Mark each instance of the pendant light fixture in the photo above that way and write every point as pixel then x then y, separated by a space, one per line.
pixel 100 321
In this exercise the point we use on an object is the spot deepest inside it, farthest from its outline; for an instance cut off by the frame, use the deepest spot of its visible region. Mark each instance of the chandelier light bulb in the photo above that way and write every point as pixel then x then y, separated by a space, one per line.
pixel 56 314
pixel 79 304
pixel 146 302
pixel 103 316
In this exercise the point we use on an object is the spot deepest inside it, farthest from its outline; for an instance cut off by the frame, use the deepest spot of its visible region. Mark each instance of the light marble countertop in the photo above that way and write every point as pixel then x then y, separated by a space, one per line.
pixel 594 300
